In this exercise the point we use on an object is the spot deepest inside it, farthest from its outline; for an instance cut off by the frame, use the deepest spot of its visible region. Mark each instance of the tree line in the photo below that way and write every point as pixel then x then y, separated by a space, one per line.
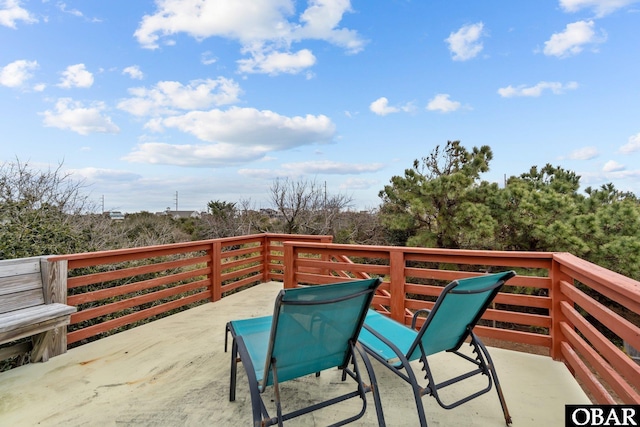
pixel 439 201
pixel 442 202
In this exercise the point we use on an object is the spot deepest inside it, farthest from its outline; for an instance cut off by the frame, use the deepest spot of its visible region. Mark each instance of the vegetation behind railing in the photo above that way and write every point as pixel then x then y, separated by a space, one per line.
pixel 116 290
pixel 557 301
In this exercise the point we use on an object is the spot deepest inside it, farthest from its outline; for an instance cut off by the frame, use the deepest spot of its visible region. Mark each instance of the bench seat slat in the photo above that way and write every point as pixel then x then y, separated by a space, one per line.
pixel 34 329
pixel 33 317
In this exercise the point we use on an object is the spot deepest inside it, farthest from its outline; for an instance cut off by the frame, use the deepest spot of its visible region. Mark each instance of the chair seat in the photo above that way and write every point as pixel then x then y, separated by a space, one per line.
pixel 403 337
pixel 255 332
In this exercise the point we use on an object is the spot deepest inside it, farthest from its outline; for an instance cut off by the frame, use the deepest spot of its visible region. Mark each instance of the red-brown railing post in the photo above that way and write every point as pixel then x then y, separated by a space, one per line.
pixel 397 282
pixel 557 317
pixel 266 258
pixel 325 256
pixel 216 270
pixel 289 266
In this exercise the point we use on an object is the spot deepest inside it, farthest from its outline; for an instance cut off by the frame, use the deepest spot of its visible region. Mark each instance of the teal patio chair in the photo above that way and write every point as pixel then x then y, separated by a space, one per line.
pixel 448 324
pixel 312 328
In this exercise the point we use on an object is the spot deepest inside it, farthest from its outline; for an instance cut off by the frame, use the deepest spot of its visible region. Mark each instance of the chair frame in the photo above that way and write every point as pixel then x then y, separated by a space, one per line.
pixel 483 364
pixel 240 353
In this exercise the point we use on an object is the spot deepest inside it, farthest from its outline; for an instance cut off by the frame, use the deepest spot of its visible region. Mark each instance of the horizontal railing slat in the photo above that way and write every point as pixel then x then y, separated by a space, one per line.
pixel 615 380
pixel 583 373
pixel 117 306
pixel 90 279
pixel 242 261
pixel 624 364
pixel 614 286
pixel 616 323
pixel 117 291
pixel 514 336
pixel 128 319
pixel 240 283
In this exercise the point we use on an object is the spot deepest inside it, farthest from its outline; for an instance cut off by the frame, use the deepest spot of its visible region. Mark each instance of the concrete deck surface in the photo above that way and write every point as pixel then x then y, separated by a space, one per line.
pixel 174 372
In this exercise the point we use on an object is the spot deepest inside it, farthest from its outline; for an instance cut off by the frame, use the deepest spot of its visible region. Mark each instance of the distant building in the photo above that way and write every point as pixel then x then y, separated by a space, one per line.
pixel 115 215
pixel 181 214
pixel 271 213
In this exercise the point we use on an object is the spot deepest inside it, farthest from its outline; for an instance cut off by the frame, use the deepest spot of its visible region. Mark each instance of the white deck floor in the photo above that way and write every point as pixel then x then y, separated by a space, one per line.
pixel 174 372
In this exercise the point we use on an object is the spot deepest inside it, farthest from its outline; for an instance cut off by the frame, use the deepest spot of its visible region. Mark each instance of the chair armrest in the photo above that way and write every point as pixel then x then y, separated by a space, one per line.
pixel 415 316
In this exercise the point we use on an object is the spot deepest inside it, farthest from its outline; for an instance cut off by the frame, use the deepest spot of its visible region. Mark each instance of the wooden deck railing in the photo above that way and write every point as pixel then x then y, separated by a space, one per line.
pixel 115 289
pixel 557 301
pixel 580 312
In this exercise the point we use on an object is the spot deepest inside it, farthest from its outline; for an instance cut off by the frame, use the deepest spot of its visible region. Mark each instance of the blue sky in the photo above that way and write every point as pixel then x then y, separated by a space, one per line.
pixel 213 100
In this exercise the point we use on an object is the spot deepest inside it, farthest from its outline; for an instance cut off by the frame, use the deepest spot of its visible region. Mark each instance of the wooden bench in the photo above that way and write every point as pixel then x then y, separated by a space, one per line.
pixel 32 304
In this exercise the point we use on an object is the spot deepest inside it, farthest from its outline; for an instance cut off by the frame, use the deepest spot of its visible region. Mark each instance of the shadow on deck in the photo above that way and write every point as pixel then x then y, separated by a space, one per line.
pixel 174 372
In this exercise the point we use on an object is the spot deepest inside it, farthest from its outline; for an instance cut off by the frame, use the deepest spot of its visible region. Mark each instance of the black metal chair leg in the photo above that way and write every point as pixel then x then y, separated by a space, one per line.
pixel 374 385
pixel 496 381
pixel 234 371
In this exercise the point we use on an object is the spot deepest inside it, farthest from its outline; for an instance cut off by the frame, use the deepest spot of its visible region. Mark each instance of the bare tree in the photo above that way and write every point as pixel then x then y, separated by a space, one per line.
pixel 360 228
pixel 251 220
pixel 19 182
pixel 305 207
pixel 37 210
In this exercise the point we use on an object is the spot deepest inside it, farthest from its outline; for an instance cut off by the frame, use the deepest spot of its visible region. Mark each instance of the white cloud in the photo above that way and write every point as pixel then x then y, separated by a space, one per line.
pixel 585 153
pixel 464 44
pixel 74 12
pixel 202 155
pixel 236 135
pixel 315 167
pixel 632 178
pixel 107 175
pixel 11 12
pixel 442 103
pixel 168 97
pixel 572 40
pixel 330 167
pixel 17 73
pixel 600 7
pixel 263 174
pixel 244 20
pixel 632 146
pixel 182 155
pixel 274 63
pixel 409 107
pixel 612 166
pixel 359 184
pixel 535 91
pixel 251 127
pixel 74 116
pixel 134 72
pixel 381 107
pixel 321 20
pixel 207 58
pixel 76 76
pixel 264 29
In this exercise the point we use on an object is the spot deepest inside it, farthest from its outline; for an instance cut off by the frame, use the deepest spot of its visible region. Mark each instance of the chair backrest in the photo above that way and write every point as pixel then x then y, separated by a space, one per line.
pixel 456 311
pixel 314 326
